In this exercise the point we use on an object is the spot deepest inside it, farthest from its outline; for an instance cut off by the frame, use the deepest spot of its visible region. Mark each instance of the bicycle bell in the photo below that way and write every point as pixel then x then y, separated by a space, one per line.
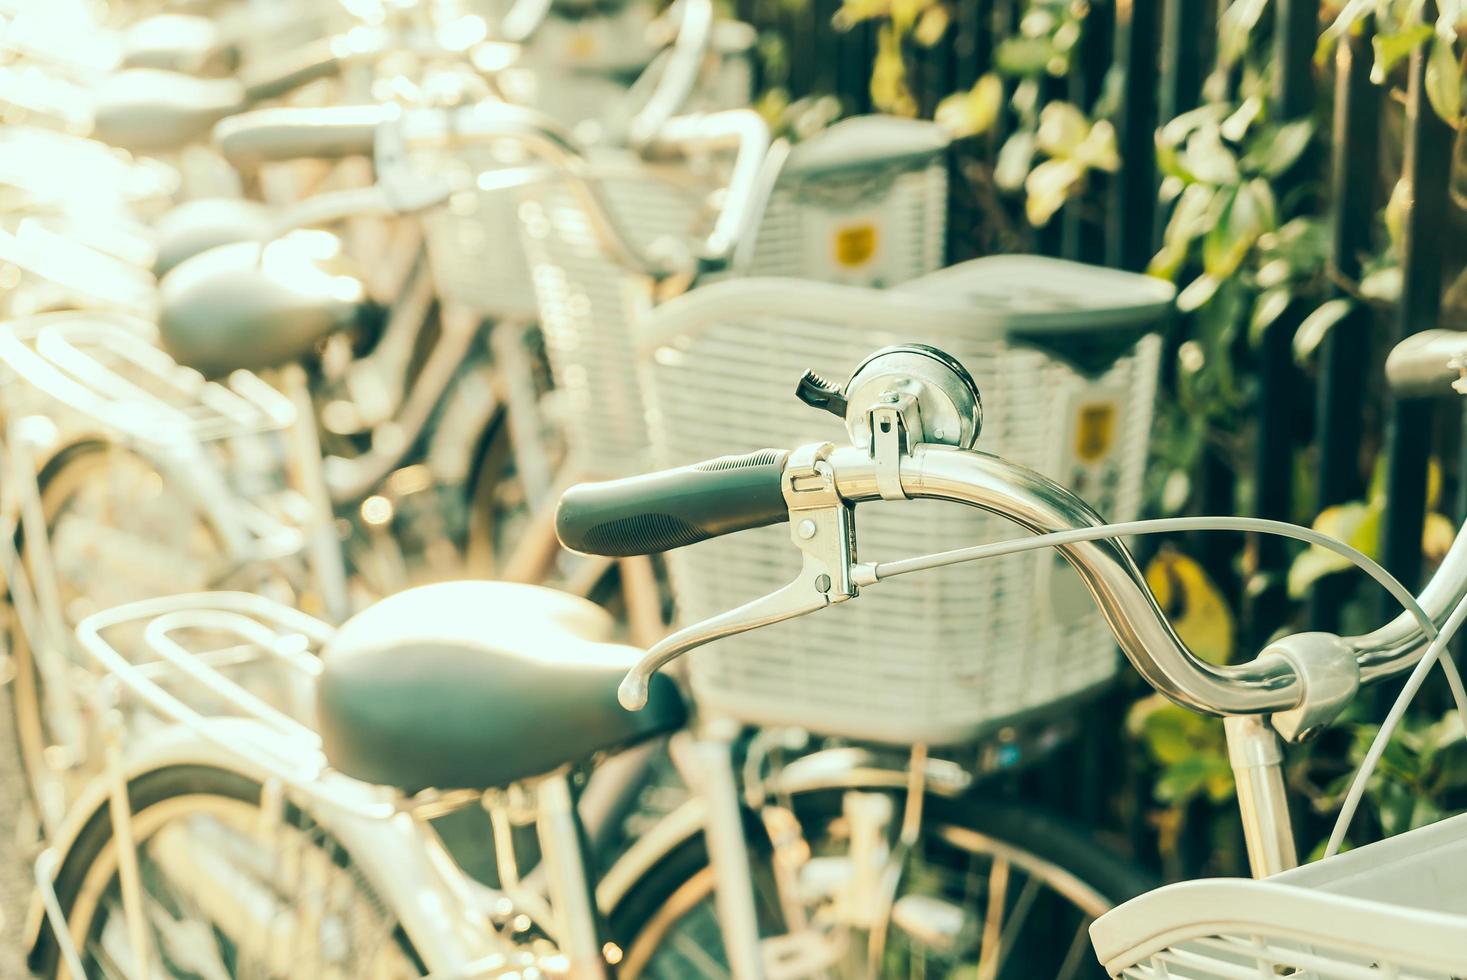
pixel 933 396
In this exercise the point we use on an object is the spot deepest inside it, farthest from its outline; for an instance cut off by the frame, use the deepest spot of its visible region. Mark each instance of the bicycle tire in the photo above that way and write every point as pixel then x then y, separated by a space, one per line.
pixel 154 789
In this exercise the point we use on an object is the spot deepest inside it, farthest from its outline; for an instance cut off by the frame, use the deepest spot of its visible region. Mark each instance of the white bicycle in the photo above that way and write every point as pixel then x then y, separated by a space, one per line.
pixel 236 839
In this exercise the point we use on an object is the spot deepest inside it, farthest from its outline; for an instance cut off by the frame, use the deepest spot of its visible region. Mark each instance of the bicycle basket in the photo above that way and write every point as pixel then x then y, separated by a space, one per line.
pixel 1394 909
pixel 590 304
pixel 473 241
pixel 863 203
pixel 843 182
pixel 939 658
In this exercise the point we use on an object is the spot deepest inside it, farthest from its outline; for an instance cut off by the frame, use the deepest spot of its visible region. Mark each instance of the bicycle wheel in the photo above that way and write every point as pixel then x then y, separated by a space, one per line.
pixel 988 891
pixel 228 890
pixel 117 534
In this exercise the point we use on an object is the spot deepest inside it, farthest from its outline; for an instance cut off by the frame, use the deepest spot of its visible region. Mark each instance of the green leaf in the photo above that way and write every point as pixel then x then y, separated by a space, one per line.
pixel 1235 27
pixel 1283 149
pixel 1207 157
pixel 1397 209
pixel 1391 48
pixel 1249 214
pixel 1014 159
pixel 1444 81
pixel 1197 293
pixel 1268 308
pixel 1176 131
pixel 1310 566
pixel 1188 221
pixel 1023 56
pixel 1235 127
pixel 1317 325
pixel 1356 523
pixel 1383 284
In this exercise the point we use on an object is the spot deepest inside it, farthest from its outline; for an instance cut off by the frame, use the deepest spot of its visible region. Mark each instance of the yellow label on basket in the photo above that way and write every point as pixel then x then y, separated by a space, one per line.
pixel 855 245
pixel 582 45
pixel 1095 431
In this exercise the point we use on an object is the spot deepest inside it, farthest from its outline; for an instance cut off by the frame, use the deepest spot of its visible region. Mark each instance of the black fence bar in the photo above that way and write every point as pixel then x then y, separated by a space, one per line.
pixel 1339 405
pixel 1185 27
pixel 1131 218
pixel 1082 235
pixel 1408 426
pixel 1296 31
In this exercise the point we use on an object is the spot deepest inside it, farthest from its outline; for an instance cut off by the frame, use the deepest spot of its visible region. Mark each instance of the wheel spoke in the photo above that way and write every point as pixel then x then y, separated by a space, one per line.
pixel 1016 920
pixel 1079 946
pixel 998 887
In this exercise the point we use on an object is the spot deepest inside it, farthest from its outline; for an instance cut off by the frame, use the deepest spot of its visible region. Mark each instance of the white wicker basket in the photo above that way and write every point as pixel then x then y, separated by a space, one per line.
pixel 1394 909
pixel 590 306
pixel 863 203
pixel 940 657
pixel 473 242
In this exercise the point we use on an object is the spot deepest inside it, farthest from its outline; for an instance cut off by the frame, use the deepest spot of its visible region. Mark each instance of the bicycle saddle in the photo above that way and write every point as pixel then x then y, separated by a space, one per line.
pixel 251 306
pixel 145 110
pixel 470 685
pixel 179 42
pixel 195 227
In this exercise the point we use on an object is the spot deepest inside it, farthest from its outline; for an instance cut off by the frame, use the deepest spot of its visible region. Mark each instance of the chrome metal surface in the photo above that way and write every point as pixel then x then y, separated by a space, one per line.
pixel 1107 569
pixel 1257 762
pixel 821 528
pixel 949 408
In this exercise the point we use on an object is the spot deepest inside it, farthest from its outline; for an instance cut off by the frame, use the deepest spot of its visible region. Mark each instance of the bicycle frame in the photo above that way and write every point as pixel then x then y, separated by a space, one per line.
pixel 401 856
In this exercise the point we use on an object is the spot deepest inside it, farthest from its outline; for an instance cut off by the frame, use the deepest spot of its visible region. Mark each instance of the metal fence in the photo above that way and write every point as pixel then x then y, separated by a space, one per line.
pixel 1311 424
pixel 1160 50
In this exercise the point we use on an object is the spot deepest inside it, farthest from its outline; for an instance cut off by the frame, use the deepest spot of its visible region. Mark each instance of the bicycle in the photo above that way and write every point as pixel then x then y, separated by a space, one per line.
pixel 384 724
pixel 282 310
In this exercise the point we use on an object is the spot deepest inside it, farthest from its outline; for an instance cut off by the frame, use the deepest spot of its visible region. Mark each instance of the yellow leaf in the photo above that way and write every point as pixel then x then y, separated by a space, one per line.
pixel 931 26
pixel 1048 186
pixel 974 111
pixel 1194 605
pixel 889 90
pixel 1437 536
pixel 1098 148
pixel 1196 608
pixel 1062 128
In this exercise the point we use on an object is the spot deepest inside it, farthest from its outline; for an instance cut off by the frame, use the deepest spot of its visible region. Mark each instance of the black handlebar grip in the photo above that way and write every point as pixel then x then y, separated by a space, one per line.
pixel 272 135
pixel 655 512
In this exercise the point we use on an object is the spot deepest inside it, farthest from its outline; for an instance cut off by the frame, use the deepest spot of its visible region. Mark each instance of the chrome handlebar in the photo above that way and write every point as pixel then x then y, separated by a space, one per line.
pixel 552 144
pixel 1275 682
pixel 679 73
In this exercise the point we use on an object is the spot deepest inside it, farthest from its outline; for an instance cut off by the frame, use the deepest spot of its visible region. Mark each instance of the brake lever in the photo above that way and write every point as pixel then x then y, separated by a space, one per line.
pixel 822 526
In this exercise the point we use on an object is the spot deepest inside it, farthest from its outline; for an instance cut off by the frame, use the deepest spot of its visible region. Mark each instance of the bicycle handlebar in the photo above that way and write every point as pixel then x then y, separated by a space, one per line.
pixel 679 73
pixel 1427 364
pixel 1268 684
pixel 288 133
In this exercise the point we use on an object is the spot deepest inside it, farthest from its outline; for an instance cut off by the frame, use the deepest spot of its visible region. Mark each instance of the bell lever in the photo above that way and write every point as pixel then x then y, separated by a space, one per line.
pixel 816 392
pixel 822 526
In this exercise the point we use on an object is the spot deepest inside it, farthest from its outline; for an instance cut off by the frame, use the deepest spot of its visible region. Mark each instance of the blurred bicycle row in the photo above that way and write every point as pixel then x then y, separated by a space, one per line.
pixel 315 311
